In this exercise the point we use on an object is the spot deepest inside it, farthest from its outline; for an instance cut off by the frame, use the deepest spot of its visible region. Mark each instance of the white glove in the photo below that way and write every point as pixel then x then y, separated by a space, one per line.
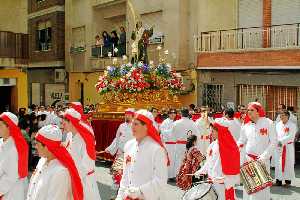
pixel 134 193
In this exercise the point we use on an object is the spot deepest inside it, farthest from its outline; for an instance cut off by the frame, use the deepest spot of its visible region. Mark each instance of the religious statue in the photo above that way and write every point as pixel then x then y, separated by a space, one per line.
pixel 140 37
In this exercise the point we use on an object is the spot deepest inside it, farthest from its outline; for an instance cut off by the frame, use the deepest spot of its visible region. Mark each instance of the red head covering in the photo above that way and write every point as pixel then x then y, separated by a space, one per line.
pixel 84 131
pixel 229 151
pixel 257 106
pixel 51 137
pixel 79 108
pixel 147 117
pixel 21 145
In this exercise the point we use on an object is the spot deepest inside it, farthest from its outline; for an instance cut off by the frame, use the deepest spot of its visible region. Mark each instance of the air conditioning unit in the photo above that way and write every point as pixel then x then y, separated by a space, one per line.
pixel 8 81
pixel 59 75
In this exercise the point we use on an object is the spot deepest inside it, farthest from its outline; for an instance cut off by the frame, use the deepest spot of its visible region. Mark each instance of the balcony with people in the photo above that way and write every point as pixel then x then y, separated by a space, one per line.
pixel 14 48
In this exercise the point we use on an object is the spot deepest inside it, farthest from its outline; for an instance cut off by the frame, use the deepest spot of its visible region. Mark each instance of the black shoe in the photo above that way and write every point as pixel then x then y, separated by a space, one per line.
pixel 278 183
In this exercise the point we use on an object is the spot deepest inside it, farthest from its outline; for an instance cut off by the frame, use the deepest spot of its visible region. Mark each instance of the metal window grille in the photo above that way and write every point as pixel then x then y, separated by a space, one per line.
pixel 213 96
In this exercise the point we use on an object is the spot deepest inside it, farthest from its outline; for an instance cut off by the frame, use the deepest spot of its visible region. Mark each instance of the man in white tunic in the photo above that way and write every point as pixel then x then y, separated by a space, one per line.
pixel 285 151
pixel 203 127
pixel 56 176
pixel 223 162
pixel 258 136
pixel 169 140
pixel 13 159
pixel 145 162
pixel 181 130
pixel 82 150
pixel 123 135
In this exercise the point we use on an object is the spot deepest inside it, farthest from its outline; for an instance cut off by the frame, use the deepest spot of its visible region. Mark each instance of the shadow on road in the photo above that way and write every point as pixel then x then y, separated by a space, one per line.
pixel 106 192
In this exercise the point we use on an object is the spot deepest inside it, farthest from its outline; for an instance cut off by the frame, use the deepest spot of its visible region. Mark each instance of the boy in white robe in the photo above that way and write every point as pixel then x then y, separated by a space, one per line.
pixel 13 159
pixel 169 140
pixel 285 151
pixel 56 176
pixel 223 161
pixel 258 137
pixel 145 162
pixel 82 150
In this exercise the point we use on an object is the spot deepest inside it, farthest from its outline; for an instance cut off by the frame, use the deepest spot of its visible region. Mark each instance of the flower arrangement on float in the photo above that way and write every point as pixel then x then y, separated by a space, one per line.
pixel 138 77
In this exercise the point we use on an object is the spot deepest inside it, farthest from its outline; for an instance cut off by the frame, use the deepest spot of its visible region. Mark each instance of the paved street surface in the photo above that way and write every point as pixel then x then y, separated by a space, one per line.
pixel 278 193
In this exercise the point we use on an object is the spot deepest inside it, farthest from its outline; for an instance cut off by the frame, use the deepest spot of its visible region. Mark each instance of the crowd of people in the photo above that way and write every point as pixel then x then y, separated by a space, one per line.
pixel 109 42
pixel 197 143
pixel 58 145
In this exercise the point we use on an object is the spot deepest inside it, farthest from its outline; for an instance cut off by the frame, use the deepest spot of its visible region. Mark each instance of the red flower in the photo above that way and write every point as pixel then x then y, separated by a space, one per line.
pixel 128 159
pixel 263 131
pixel 286 129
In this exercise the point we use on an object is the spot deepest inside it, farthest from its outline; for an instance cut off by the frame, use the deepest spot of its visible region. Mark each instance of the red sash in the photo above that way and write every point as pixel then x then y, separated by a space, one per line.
pixel 170 142
pixel 128 198
pixel 89 173
pixel 283 158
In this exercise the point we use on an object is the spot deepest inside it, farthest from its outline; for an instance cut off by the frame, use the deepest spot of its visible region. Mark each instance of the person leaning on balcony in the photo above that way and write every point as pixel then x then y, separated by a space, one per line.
pixel 114 39
pixel 106 39
pixel 99 41
pixel 122 41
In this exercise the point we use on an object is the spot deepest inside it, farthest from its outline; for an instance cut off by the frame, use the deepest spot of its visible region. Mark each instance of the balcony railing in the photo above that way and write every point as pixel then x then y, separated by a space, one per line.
pixel 278 36
pixel 14 45
pixel 100 51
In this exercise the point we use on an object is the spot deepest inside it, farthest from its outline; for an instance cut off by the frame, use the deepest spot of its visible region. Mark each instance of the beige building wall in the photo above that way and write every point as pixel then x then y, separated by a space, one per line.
pixel 13 16
pixel 210 15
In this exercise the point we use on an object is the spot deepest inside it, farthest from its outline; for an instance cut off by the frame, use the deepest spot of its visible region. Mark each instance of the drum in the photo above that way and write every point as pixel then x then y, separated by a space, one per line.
pixel 255 176
pixel 203 191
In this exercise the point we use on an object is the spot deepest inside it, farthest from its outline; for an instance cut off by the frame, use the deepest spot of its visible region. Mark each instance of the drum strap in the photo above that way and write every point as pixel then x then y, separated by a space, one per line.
pixel 283 158
pixel 254 157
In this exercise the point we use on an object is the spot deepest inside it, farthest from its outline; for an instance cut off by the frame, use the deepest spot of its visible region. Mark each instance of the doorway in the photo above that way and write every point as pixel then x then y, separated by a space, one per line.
pixel 5 100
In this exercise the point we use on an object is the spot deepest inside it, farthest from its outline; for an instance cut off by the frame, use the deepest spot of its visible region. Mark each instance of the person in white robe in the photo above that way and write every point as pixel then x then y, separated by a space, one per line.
pixel 181 130
pixel 123 135
pixel 145 162
pixel 13 159
pixel 203 124
pixel 285 151
pixel 82 150
pixel 169 140
pixel 223 161
pixel 56 176
pixel 258 137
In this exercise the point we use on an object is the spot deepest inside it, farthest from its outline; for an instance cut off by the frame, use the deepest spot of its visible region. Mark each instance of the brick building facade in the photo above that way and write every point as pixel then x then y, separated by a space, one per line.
pixel 258 59
pixel 46 72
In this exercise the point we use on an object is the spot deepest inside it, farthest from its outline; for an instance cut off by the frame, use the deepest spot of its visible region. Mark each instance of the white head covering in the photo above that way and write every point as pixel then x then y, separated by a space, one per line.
pixel 51 132
pixel 12 117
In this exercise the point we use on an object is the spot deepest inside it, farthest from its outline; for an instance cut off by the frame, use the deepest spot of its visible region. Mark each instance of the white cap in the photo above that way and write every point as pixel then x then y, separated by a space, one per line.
pixel 146 113
pixel 73 113
pixel 51 132
pixel 11 116
pixel 130 110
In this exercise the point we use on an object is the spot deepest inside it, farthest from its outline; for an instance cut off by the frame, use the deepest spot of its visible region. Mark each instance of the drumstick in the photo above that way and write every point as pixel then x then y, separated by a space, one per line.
pixel 100 152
